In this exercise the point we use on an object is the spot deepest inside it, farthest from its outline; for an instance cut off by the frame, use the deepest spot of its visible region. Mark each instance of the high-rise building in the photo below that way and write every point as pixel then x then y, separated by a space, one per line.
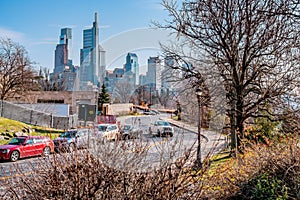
pixel 64 72
pixel 92 58
pixel 170 76
pixel 63 51
pixel 154 73
pixel 132 67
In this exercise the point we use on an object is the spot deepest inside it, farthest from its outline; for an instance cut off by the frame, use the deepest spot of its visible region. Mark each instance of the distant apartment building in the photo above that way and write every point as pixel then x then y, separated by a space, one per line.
pixel 112 77
pixel 154 73
pixel 132 67
pixel 170 76
pixel 64 72
pixel 143 79
pixel 92 59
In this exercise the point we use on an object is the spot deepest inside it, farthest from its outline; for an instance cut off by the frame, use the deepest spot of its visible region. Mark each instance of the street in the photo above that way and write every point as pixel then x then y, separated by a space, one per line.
pixel 140 154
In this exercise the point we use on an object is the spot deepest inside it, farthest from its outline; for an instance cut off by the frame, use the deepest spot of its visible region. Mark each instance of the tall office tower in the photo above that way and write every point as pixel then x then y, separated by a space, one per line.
pixel 92 59
pixel 170 76
pixel 154 73
pixel 63 51
pixel 64 70
pixel 132 67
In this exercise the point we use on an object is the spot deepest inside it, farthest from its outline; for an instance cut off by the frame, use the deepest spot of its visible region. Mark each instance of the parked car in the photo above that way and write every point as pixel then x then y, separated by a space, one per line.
pixel 72 139
pixel 130 132
pixel 26 146
pixel 161 128
pixel 156 112
pixel 149 112
pixel 108 131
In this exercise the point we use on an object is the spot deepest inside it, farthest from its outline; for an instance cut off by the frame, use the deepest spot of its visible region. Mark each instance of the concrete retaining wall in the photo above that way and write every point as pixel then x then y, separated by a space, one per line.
pixel 34 117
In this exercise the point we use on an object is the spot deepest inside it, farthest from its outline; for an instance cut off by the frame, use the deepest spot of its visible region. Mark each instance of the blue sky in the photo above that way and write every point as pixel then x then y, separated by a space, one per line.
pixel 36 25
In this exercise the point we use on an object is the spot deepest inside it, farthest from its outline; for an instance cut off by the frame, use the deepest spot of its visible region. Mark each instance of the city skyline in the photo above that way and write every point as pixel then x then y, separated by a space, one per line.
pixel 33 26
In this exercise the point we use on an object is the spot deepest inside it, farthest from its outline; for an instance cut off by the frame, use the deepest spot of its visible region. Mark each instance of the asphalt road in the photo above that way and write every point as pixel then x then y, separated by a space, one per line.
pixel 156 151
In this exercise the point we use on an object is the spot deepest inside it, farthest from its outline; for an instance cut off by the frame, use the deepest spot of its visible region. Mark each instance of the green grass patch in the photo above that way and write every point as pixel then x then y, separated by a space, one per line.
pixel 8 126
pixel 11 125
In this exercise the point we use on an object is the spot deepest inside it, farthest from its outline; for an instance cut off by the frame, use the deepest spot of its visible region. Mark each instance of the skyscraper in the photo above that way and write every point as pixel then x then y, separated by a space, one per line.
pixel 170 76
pixel 64 72
pixel 154 73
pixel 132 67
pixel 92 58
pixel 63 51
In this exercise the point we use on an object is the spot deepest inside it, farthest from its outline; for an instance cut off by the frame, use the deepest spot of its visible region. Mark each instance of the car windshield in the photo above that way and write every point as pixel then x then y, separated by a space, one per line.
pixel 68 134
pixel 17 141
pixel 162 123
pixel 126 127
pixel 102 128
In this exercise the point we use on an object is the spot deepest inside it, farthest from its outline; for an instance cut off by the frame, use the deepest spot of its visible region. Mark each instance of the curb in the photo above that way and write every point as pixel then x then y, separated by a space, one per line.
pixel 174 123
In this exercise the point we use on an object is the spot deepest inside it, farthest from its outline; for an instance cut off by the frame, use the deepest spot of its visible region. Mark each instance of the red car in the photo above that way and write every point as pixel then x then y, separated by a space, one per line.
pixel 26 146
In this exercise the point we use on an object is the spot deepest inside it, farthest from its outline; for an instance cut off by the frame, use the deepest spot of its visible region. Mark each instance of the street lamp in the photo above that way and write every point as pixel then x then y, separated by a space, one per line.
pixel 84 106
pixel 199 161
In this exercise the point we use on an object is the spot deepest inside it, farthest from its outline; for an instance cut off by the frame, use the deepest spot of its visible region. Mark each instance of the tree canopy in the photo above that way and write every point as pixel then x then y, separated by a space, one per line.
pixel 16 74
pixel 252 46
pixel 103 97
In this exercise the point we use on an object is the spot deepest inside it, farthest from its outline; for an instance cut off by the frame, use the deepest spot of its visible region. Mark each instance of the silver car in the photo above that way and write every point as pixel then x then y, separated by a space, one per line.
pixel 161 128
pixel 130 132
pixel 71 139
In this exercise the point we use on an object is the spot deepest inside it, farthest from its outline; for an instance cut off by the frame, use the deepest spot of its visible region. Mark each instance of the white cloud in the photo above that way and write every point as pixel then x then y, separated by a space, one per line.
pixel 11 34
pixel 46 41
pixel 104 26
pixel 62 26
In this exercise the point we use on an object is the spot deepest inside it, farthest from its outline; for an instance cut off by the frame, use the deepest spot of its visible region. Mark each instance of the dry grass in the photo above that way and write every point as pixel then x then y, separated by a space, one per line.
pixel 278 165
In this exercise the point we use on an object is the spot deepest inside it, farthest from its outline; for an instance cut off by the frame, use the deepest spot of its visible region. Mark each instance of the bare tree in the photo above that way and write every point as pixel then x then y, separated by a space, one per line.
pixel 16 74
pixel 251 45
pixel 164 98
pixel 48 82
pixel 123 91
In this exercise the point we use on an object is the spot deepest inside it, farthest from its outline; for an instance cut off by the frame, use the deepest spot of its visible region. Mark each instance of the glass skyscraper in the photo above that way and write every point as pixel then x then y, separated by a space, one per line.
pixel 132 67
pixel 154 73
pixel 92 63
pixel 63 51
pixel 64 72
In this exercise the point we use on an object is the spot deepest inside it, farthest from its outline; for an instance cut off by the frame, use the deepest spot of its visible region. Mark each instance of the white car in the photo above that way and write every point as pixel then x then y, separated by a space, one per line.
pixel 161 128
pixel 108 131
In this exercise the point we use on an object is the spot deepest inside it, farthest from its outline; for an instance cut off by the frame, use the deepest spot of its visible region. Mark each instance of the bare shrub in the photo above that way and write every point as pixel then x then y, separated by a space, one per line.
pixel 112 170
pixel 275 168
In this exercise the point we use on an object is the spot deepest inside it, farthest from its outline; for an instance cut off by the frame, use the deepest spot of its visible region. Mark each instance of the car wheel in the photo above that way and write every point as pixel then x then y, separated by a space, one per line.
pixel 14 156
pixel 71 147
pixel 46 151
pixel 158 133
pixel 150 130
pixel 126 137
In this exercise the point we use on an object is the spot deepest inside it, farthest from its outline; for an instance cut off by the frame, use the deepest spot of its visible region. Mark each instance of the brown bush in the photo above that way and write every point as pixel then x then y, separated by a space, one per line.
pixel 113 171
pixel 234 179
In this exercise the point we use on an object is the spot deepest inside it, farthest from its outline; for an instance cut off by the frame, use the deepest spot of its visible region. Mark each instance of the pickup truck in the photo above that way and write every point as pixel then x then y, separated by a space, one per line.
pixel 161 128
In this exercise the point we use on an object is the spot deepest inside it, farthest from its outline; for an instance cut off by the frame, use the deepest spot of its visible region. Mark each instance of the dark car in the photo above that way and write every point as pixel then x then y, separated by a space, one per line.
pixel 130 132
pixel 26 146
pixel 149 112
pixel 156 112
pixel 72 139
